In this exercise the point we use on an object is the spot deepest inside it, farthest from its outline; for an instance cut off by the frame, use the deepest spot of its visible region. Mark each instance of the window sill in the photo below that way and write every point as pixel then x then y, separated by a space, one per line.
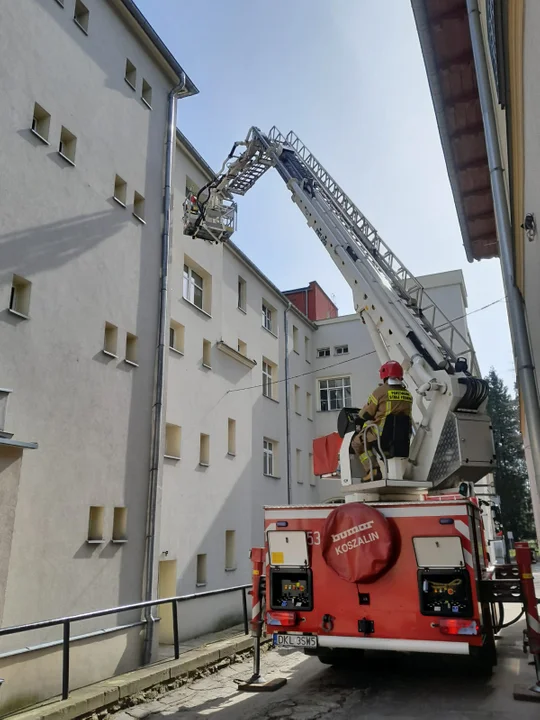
pixel 68 160
pixel 130 362
pixel 270 398
pixel 172 457
pixel 120 202
pixel 139 218
pixel 231 454
pixel 18 314
pixel 207 367
pixel 174 350
pixel 39 137
pixel 231 569
pixel 310 419
pixel 95 542
pixel 78 24
pixel 297 413
pixel 110 354
pixel 296 352
pixel 242 310
pixel 201 584
pixel 119 542
pixel 130 84
pixel 236 355
pixel 204 465
pixel 274 477
pixel 196 307
pixel 270 332
pixel 146 103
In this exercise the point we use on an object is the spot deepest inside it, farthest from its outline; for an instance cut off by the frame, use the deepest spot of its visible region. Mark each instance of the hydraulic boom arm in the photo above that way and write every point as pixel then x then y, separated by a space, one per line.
pixel 403 322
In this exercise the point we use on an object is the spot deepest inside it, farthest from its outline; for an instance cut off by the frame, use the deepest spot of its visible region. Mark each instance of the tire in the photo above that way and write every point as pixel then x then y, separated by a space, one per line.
pixel 338 657
pixel 484 659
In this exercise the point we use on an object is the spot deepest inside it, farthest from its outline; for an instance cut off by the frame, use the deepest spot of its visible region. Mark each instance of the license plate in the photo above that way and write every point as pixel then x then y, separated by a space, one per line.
pixel 294 642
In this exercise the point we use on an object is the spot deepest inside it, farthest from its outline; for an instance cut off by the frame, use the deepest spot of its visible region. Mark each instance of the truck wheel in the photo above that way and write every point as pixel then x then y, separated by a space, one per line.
pixel 484 659
pixel 339 657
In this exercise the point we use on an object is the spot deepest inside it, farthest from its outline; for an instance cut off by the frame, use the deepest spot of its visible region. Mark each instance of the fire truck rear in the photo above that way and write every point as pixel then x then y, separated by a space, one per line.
pixel 387 576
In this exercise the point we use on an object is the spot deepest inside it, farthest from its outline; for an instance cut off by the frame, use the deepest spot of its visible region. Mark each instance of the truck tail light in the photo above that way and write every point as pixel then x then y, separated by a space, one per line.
pixel 458 626
pixel 285 618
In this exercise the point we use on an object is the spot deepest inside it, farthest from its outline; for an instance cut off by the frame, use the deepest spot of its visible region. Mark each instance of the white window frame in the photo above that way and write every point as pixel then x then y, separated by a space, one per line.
pixel 325 406
pixel 323 352
pixel 242 294
pixel 269 457
pixel 190 284
pixel 268 379
pixel 267 317
pixel 341 349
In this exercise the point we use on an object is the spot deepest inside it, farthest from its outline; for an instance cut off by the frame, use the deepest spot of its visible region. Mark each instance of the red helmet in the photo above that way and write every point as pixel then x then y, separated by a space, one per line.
pixel 391 369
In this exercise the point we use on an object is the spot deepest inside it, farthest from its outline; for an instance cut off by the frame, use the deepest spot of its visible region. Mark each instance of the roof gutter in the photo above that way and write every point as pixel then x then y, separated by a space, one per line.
pixel 423 28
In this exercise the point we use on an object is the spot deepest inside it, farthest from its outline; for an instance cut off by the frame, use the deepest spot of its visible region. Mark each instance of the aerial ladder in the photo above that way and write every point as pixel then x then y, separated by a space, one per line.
pixel 403 563
pixel 452 435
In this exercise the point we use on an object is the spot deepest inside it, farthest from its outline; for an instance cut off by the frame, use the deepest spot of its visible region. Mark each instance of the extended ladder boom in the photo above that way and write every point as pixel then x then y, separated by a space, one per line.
pixel 403 321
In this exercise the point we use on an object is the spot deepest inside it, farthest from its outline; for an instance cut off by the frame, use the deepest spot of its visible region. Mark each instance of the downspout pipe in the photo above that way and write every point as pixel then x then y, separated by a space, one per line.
pixel 159 394
pixel 516 310
pixel 287 403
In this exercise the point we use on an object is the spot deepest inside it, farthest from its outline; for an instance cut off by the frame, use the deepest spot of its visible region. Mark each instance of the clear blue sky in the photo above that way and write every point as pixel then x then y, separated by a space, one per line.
pixel 348 77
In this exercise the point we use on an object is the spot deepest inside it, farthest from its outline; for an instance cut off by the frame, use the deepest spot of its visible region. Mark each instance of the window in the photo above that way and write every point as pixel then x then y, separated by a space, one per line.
pixel 41 122
pixel 242 347
pixel 201 569
pixel 323 352
pixel 207 354
pixel 193 287
pixel 230 550
pixel 341 350
pixel 146 94
pixel 311 475
pixel 299 477
pixel 295 339
pixel 269 450
pixel 95 524
pixel 138 206
pixel 60 2
pixel 241 294
pixel 131 74
pixel 81 15
pixel 191 187
pixel 120 190
pixel 176 336
pixel 268 379
pixel 131 349
pixel 268 316
pixel 307 349
pixel 119 533
pixel 68 145
pixel 231 436
pixel 204 450
pixel 173 440
pixel 297 399
pixel 19 297
pixel 309 407
pixel 110 340
pixel 335 394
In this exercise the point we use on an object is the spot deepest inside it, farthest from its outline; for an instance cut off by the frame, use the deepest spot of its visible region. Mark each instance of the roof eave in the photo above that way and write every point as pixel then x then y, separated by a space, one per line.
pixel 422 26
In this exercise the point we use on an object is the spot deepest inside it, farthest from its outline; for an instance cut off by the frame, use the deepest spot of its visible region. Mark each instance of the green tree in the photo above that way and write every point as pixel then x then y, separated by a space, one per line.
pixel 511 477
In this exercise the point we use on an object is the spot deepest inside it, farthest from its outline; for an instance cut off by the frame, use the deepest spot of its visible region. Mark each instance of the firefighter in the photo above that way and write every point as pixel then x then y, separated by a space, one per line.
pixel 390 398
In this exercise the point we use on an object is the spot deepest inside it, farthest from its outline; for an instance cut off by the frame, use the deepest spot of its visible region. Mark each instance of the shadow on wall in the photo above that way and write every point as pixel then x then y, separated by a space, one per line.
pixel 44 247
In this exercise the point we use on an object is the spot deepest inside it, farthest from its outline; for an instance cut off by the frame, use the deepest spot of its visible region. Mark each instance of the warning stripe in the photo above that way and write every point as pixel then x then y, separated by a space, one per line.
pixel 465 532
pixel 533 624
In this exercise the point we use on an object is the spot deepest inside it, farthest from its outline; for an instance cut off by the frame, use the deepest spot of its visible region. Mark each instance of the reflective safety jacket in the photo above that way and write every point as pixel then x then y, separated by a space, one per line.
pixel 387 400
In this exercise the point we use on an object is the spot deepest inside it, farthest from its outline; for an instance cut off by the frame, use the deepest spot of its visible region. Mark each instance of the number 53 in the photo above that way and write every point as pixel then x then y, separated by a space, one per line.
pixel 313 538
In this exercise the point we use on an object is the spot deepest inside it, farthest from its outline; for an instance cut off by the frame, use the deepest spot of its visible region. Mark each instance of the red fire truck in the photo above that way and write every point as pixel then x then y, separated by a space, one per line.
pixel 395 566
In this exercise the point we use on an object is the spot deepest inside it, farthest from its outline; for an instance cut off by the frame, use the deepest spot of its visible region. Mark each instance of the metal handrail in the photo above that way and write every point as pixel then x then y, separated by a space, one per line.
pixel 67 621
